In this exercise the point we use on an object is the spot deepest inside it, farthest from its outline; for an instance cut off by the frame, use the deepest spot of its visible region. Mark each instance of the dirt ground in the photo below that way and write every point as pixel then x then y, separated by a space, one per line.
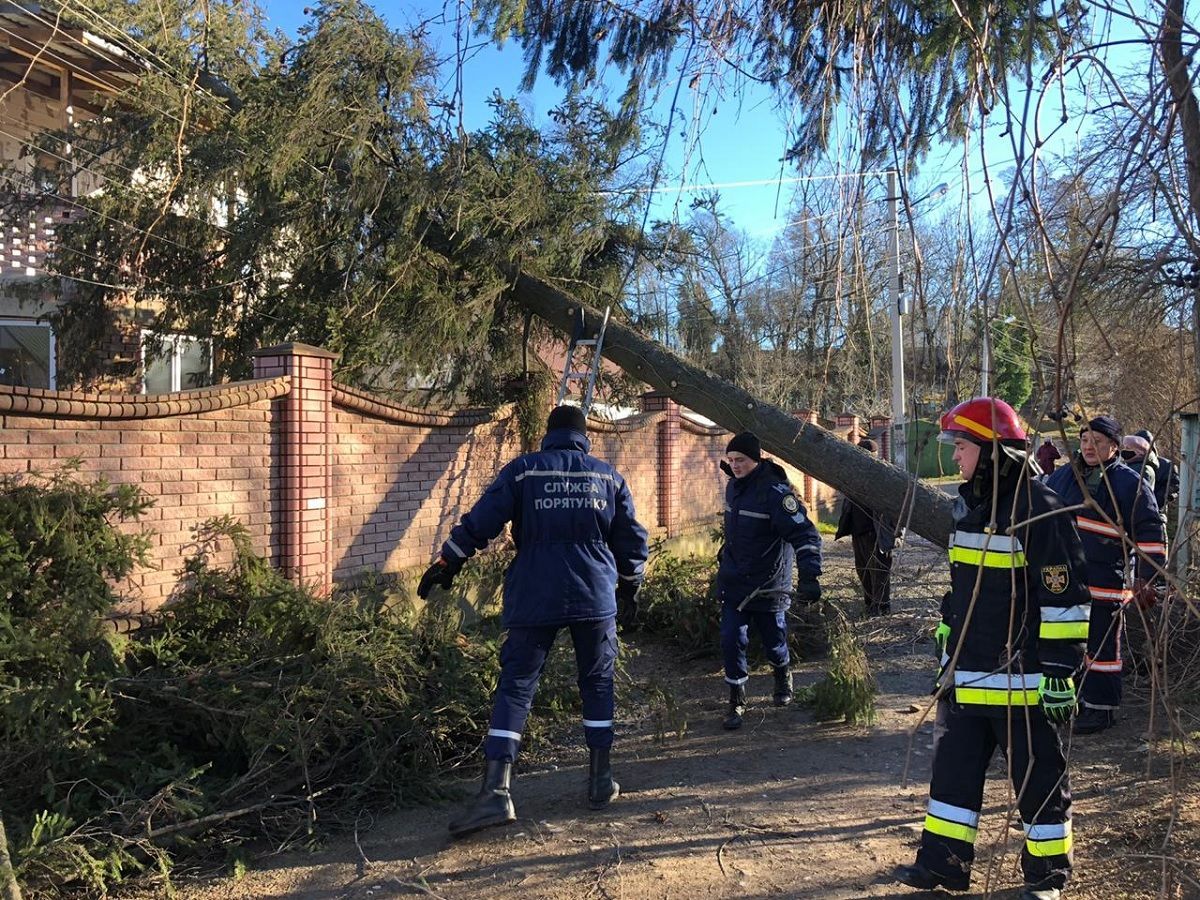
pixel 785 807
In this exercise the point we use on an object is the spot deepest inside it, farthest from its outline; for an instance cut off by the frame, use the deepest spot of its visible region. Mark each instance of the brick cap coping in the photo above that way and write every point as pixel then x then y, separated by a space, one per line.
pixel 296 349
pixel 623 426
pixel 380 408
pixel 22 401
pixel 692 427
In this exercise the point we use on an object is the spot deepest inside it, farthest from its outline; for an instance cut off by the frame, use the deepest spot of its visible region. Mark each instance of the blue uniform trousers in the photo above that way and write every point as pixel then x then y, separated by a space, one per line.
pixel 964 743
pixel 1101 687
pixel 735 638
pixel 522 659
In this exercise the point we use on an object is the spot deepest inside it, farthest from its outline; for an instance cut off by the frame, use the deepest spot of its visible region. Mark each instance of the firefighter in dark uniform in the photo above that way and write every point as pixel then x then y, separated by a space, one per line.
pixel 767 535
pixel 580 555
pixel 1123 542
pixel 1011 639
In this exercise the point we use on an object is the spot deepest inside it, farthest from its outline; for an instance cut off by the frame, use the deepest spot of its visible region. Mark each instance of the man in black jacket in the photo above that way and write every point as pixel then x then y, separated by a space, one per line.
pixel 873 538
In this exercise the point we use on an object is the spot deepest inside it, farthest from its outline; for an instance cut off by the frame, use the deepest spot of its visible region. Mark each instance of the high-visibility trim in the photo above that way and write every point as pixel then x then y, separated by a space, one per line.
pixel 501 733
pixel 964 833
pixel 1080 613
pixel 975 428
pixel 989 559
pixel 976 540
pixel 1103 665
pixel 1096 526
pixel 736 681
pixel 457 549
pixel 753 515
pixel 1049 840
pixel 597 723
pixel 1111 595
pixel 1064 631
pixel 1001 680
pixel 1153 547
pixel 951 813
pixel 558 473
pixel 995 697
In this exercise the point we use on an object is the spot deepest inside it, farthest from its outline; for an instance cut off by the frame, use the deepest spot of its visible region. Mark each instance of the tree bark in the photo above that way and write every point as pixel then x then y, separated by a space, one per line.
pixel 876 484
pixel 9 889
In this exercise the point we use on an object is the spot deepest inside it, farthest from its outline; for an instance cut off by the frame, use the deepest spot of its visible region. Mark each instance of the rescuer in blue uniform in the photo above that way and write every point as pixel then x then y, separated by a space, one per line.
pixel 1125 545
pixel 580 556
pixel 767 534
pixel 1013 629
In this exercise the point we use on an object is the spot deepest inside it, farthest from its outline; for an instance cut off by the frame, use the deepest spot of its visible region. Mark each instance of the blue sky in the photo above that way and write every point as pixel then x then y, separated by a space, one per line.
pixel 743 142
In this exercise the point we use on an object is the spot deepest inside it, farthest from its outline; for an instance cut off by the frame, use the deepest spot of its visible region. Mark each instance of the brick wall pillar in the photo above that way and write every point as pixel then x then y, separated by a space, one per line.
pixel 669 487
pixel 808 417
pixel 304 483
pixel 885 437
pixel 850 421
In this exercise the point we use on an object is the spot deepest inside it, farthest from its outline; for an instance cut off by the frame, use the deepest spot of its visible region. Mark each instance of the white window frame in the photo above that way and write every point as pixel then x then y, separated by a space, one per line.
pixel 26 323
pixel 175 341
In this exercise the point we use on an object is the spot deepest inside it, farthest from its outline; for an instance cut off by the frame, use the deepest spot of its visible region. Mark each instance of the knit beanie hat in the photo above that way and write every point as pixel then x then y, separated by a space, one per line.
pixel 564 416
pixel 747 444
pixel 1107 426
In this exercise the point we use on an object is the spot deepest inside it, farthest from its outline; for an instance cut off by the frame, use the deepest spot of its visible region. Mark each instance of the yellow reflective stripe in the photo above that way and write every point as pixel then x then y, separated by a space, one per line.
pixel 965 833
pixel 996 696
pixel 1064 631
pixel 1057 847
pixel 990 559
pixel 982 430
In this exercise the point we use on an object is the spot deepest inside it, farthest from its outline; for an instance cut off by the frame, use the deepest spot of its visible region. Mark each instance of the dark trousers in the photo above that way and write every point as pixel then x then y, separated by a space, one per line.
pixel 522 659
pixel 963 747
pixel 1101 687
pixel 735 639
pixel 874 571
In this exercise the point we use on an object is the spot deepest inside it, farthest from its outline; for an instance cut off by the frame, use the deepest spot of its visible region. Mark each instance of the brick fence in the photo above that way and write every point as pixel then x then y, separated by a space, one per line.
pixel 331 481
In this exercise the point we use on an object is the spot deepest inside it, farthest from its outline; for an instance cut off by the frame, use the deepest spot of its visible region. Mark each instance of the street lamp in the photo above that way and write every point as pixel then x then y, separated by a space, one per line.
pixel 899 307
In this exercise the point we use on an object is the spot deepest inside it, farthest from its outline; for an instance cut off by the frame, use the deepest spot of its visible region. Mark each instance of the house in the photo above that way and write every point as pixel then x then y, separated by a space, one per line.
pixel 54 74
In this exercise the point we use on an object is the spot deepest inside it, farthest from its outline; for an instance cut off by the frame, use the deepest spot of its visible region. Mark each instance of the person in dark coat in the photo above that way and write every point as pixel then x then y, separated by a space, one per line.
pixel 1124 543
pixel 1011 643
pixel 1047 457
pixel 1166 475
pixel 580 558
pixel 873 538
pixel 767 535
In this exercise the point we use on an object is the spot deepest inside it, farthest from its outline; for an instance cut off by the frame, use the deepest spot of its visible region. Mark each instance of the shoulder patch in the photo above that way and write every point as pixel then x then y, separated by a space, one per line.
pixel 790 504
pixel 1055 578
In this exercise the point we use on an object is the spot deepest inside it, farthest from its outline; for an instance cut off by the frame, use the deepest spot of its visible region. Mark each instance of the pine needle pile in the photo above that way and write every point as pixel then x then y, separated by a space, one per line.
pixel 254 711
pixel 847 692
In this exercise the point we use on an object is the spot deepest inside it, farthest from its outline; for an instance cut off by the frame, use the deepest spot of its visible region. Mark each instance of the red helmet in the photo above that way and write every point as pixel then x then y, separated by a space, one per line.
pixel 983 419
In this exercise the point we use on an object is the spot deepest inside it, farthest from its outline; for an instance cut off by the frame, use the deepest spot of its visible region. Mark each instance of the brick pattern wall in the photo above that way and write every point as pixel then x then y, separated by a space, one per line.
pixel 330 482
pixel 194 467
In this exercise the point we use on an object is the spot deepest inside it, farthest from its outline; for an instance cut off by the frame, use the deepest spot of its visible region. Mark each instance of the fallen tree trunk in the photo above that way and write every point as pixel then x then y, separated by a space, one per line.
pixel 810 448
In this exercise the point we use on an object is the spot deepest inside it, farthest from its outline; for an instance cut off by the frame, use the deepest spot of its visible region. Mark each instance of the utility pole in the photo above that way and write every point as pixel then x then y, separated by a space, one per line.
pixel 899 437
pixel 986 368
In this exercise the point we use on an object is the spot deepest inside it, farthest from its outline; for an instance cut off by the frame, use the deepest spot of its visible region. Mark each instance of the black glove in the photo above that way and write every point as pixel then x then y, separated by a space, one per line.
pixel 442 573
pixel 725 468
pixel 808 589
pixel 627 605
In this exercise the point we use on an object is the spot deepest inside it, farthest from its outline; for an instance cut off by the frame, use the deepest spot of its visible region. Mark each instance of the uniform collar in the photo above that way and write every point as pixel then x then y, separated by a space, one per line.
pixel 566 439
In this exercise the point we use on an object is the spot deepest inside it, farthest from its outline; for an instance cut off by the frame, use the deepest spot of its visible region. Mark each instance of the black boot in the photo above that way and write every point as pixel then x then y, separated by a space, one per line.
pixel 783 686
pixel 492 805
pixel 1033 892
pixel 601 787
pixel 917 876
pixel 1091 720
pixel 737 707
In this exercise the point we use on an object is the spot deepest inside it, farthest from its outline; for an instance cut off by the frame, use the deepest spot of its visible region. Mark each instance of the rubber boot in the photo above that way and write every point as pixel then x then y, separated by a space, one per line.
pixel 737 707
pixel 924 879
pixel 783 686
pixel 492 805
pixel 601 787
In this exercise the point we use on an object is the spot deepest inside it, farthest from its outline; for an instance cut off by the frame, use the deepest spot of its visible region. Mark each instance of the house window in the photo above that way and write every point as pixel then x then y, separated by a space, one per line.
pixel 174 362
pixel 26 353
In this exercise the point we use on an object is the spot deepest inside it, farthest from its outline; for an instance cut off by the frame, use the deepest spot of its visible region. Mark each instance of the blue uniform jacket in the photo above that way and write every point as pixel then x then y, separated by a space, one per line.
pixel 1128 502
pixel 574 527
pixel 767 534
